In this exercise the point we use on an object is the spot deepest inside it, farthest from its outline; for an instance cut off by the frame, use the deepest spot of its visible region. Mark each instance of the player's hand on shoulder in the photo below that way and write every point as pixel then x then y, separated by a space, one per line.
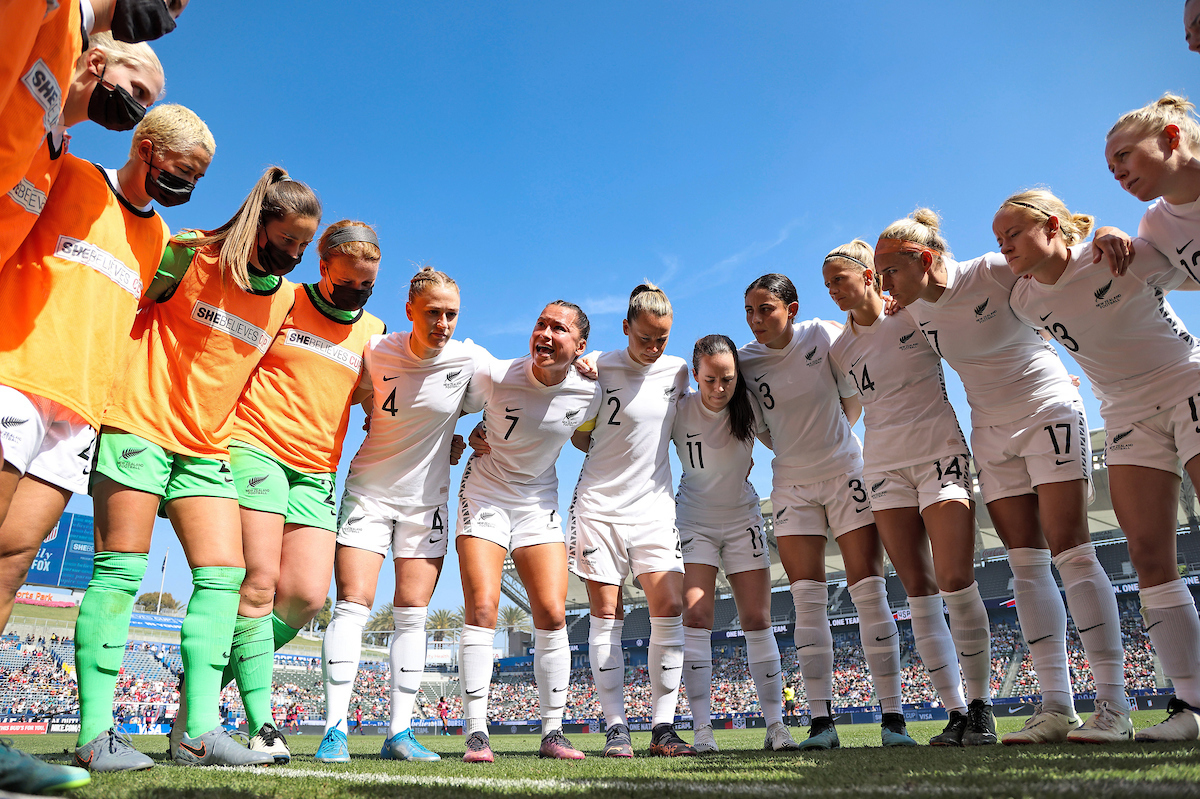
pixel 586 365
pixel 1114 244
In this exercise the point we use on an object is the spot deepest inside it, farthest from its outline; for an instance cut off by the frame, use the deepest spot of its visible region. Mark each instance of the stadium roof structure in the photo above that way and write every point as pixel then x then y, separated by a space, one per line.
pixel 1102 523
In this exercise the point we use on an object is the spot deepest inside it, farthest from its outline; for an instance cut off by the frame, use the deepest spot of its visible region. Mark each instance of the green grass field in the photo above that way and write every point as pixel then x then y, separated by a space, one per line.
pixel 860 769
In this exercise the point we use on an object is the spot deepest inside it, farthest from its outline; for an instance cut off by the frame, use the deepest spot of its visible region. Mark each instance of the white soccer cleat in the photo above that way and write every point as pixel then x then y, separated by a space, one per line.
pixel 1108 725
pixel 270 740
pixel 779 739
pixel 1043 727
pixel 1181 724
pixel 704 742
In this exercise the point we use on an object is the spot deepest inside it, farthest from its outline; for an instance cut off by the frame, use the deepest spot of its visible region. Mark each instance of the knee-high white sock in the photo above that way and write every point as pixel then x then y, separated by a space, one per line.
pixel 1043 619
pixel 1093 606
pixel 880 640
pixel 697 673
pixel 552 670
pixel 608 667
pixel 936 646
pixel 475 674
pixel 339 657
pixel 814 644
pixel 973 639
pixel 664 661
pixel 406 656
pixel 1169 613
pixel 762 656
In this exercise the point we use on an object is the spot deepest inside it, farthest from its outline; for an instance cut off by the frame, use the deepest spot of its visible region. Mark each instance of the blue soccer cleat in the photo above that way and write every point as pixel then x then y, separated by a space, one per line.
pixel 333 748
pixel 404 746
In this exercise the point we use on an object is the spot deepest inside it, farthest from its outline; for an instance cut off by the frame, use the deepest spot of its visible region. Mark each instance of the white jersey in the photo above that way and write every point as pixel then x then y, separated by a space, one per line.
pixel 405 458
pixel 626 476
pixel 713 488
pixel 908 418
pixel 799 394
pixel 1009 372
pixel 527 425
pixel 1174 230
pixel 1131 345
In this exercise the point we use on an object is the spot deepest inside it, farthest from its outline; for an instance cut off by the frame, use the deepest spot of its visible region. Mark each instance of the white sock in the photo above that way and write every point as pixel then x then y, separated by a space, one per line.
pixel 339 657
pixel 1169 613
pixel 664 661
pixel 1043 619
pixel 880 640
pixel 971 632
pixel 552 670
pixel 762 656
pixel 1093 606
pixel 608 667
pixel 814 644
pixel 406 656
pixel 936 646
pixel 475 674
pixel 697 673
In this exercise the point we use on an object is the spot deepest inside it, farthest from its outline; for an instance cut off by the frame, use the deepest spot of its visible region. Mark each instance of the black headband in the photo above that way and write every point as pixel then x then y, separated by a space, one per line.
pixel 848 258
pixel 1030 207
pixel 345 235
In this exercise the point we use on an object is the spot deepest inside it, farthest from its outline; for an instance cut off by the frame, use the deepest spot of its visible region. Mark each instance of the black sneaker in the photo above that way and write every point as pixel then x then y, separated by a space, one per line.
pixel 822 734
pixel 953 734
pixel 981 724
pixel 617 742
pixel 665 742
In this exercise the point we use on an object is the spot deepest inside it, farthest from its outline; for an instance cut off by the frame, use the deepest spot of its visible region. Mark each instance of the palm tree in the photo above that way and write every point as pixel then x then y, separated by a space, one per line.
pixel 381 620
pixel 443 624
pixel 514 619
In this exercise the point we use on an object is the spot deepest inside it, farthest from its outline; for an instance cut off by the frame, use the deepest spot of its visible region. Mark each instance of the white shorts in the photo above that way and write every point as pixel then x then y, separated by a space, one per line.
pixel 375 525
pixel 511 529
pixel 604 552
pixel 46 440
pixel 732 547
pixel 1052 446
pixel 837 505
pixel 1163 441
pixel 922 485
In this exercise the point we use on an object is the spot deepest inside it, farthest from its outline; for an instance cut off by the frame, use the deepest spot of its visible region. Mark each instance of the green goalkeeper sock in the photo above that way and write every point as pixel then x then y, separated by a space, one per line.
pixel 283 633
pixel 205 641
pixel 100 635
pixel 251 661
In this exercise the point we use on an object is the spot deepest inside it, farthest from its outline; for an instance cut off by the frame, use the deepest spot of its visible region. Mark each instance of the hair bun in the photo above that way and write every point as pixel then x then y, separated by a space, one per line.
pixel 927 217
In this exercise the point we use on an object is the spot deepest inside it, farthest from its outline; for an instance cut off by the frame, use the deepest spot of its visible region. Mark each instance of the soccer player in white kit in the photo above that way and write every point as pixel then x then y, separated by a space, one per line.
pixel 720 525
pixel 508 503
pixel 1030 439
pixel 395 498
pixel 1145 368
pixel 622 520
pixel 817 489
pixel 917 472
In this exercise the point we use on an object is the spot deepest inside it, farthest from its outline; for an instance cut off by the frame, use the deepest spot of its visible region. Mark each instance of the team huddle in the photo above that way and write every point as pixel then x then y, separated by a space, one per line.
pixel 185 376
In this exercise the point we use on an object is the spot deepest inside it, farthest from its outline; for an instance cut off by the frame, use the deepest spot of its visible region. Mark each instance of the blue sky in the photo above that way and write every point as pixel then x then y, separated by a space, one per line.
pixel 544 150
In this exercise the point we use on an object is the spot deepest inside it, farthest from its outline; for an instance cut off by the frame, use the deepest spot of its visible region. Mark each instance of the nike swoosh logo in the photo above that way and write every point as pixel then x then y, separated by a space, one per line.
pixel 477 691
pixel 1063 463
pixel 856 361
pixel 434 540
pixel 776 674
pixel 939 668
pixel 973 654
pixel 1043 638
pixel 860 510
pixel 557 690
pixel 243 658
pixel 225 655
pixel 924 323
pixel 760 377
pixel 1184 247
pixel 510 410
pixel 758 554
pixel 700 667
pixel 884 638
pixel 393 377
pixel 201 752
pixel 802 646
pixel 692 435
pixel 672 668
pixel 610 668
pixel 1094 626
pixel 1044 318
pixel 113 646
pixel 1012 710
pixel 410 671
pixel 611 390
pixel 1149 626
pixel 333 662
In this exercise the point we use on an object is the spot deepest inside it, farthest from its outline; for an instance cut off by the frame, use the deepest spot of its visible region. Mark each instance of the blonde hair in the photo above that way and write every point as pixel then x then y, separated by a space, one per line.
pixel 1170 109
pixel 648 298
pixel 426 279
pixel 859 257
pixel 921 227
pixel 1040 205
pixel 137 56
pixel 274 196
pixel 175 129
pixel 358 250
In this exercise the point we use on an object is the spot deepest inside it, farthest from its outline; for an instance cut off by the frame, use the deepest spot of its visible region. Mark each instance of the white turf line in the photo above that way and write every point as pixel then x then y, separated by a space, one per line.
pixel 790 787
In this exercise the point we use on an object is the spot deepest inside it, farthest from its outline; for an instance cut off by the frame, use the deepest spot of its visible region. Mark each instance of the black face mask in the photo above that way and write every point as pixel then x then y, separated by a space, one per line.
pixel 141 20
pixel 113 107
pixel 345 298
pixel 167 189
pixel 275 261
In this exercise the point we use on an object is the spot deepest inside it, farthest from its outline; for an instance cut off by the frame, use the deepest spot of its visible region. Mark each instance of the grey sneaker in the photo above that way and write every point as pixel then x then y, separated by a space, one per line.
pixel 218 748
pixel 779 739
pixel 111 751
